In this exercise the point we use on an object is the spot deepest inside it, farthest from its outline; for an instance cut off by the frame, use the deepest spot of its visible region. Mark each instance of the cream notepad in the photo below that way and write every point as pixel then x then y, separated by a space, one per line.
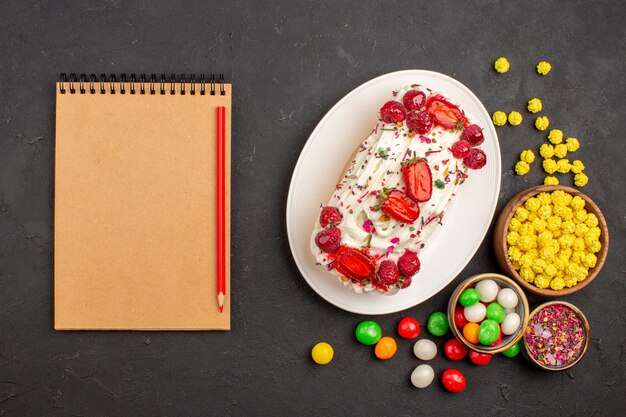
pixel 135 204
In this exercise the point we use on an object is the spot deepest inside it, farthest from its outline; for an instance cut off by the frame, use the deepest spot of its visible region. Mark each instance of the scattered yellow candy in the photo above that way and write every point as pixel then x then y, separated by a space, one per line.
pixel 501 65
pixel 542 123
pixel 572 144
pixel 580 179
pixel 549 165
pixel 555 136
pixel 550 180
pixel 322 353
pixel 553 250
pixel 563 166
pixel 499 118
pixel 527 156
pixel 560 150
pixel 515 118
pixel 546 151
pixel 534 105
pixel 544 68
pixel 578 166
pixel 522 168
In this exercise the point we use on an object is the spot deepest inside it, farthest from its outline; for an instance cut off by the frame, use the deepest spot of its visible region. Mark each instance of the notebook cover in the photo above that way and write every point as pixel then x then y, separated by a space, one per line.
pixel 135 211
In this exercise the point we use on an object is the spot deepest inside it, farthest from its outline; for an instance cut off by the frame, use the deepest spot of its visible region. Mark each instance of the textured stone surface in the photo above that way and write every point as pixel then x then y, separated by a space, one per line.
pixel 290 62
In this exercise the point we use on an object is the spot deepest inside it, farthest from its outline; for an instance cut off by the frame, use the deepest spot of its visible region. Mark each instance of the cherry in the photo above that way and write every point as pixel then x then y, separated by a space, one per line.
pixel 473 134
pixel 392 112
pixel 414 100
pixel 461 149
pixel 419 121
pixel 476 159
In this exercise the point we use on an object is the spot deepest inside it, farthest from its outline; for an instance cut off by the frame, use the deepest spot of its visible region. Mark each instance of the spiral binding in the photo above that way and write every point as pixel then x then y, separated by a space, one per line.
pixel 145 85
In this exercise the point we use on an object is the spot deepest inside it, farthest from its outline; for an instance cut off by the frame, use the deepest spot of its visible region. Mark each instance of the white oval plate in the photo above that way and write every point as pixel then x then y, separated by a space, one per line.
pixel 322 160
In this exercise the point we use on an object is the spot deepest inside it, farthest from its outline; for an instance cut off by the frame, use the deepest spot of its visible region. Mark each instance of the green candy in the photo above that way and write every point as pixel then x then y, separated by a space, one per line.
pixel 469 297
pixel 513 351
pixel 488 332
pixel 437 324
pixel 495 312
pixel 368 332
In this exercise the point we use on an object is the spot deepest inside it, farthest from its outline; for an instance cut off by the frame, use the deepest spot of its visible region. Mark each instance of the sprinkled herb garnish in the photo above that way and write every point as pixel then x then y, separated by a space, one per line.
pixel 383 153
pixel 368 241
pixel 440 184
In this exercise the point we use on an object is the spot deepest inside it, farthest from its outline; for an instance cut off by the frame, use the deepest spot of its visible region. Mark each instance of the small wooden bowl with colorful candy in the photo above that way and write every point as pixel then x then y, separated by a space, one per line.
pixel 552 239
pixel 488 313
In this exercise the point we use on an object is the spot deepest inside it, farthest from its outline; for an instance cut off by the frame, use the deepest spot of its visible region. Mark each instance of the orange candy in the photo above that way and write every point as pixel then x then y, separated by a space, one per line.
pixel 385 348
pixel 470 332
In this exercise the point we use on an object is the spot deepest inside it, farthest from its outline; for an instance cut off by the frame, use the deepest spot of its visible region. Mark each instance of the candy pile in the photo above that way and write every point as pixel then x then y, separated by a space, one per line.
pixel 487 312
pixel 552 240
pixel 553 153
pixel 555 336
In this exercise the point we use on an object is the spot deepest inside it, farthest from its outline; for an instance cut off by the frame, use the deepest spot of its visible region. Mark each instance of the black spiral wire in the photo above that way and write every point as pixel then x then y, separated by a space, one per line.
pixel 114 86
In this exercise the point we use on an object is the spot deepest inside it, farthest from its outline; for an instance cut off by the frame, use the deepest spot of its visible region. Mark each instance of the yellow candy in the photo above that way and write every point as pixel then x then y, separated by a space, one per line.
pixel 542 281
pixel 550 180
pixel 514 253
pixel 563 166
pixel 581 229
pixel 544 198
pixel 527 156
pixel 526 243
pixel 515 118
pixel 514 224
pixel 590 260
pixel 595 247
pixel 553 223
pixel 570 282
pixel 532 204
pixel 522 168
pixel 572 144
pixel 501 65
pixel 560 151
pixel 592 220
pixel 579 245
pixel 544 212
pixel 527 274
pixel 322 353
pixel 546 151
pixel 512 237
pixel 534 105
pixel 577 203
pixel 547 254
pixel 526 230
pixel 549 165
pixel 557 284
pixel 544 67
pixel 538 224
pixel 521 214
pixel 577 166
pixel 555 136
pixel 499 118
pixel 580 215
pixel 542 123
pixel 566 241
pixel 580 180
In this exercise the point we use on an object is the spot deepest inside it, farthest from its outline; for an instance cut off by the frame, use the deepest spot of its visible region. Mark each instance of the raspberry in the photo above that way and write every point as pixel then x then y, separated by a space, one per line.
pixel 392 112
pixel 473 134
pixel 409 265
pixel 476 159
pixel 461 149
pixel 328 240
pixel 330 215
pixel 419 121
pixel 388 273
pixel 414 100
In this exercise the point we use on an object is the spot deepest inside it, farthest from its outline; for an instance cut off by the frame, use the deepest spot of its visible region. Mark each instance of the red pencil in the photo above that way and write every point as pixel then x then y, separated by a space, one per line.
pixel 221 206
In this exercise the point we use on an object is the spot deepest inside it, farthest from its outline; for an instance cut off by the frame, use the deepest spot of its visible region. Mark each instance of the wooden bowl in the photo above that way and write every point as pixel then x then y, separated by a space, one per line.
pixel 585 346
pixel 522 309
pixel 501 246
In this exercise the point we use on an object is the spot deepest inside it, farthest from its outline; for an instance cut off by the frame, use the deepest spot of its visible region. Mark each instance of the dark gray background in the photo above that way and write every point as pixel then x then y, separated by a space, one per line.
pixel 290 62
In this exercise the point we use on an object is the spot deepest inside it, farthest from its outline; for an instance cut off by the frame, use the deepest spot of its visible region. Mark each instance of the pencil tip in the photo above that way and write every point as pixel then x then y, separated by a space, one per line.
pixel 221 309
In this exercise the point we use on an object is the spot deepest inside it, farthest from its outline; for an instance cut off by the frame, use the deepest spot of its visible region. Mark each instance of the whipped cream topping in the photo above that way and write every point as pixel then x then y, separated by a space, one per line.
pixel 376 165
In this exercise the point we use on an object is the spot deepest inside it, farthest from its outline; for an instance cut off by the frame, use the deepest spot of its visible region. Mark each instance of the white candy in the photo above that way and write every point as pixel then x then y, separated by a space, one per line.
pixel 475 313
pixel 425 349
pixel 507 298
pixel 510 324
pixel 488 290
pixel 422 376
